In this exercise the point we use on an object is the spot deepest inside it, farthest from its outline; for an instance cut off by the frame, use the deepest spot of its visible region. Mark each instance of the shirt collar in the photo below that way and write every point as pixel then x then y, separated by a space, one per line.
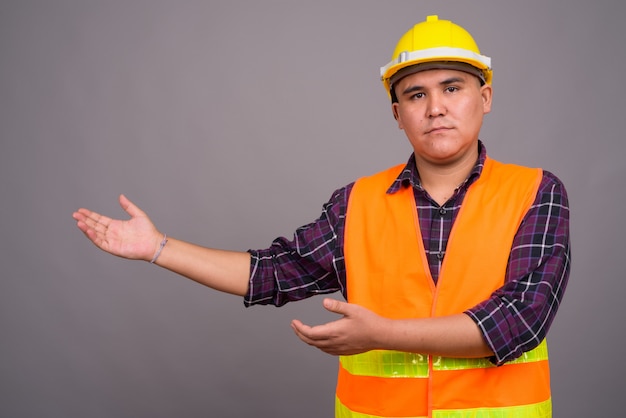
pixel 410 176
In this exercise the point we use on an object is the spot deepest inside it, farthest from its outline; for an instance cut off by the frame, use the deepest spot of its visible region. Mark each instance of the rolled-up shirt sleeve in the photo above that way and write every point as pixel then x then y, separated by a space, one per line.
pixel 516 318
pixel 311 263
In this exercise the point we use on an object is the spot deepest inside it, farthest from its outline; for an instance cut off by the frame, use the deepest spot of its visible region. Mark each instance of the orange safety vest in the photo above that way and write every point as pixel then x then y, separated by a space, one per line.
pixel 388 273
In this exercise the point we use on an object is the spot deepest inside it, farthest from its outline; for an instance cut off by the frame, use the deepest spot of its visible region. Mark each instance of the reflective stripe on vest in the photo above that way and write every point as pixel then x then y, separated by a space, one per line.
pixel 538 410
pixel 387 272
pixel 383 363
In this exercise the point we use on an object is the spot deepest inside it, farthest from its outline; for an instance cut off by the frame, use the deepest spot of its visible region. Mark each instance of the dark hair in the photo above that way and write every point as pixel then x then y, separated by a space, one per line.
pixel 392 93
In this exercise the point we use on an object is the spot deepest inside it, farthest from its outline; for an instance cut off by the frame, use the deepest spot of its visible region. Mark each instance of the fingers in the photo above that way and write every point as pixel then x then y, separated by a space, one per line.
pixel 93 225
pixel 336 306
pixel 299 328
pixel 324 331
pixel 88 220
pixel 130 208
pixel 317 336
pixel 304 332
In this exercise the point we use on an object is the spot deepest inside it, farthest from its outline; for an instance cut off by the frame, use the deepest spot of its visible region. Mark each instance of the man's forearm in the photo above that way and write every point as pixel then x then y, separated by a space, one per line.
pixel 360 330
pixel 449 336
pixel 225 271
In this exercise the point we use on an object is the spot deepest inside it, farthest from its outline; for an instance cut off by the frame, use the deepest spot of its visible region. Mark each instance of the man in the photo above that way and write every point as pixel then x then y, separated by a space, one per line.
pixel 453 265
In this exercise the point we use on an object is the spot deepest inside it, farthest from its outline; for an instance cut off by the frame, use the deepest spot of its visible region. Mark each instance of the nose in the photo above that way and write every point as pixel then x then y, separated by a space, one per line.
pixel 435 106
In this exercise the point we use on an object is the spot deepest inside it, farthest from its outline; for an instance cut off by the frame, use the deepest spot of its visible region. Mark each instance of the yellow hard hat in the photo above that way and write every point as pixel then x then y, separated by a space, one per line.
pixel 433 44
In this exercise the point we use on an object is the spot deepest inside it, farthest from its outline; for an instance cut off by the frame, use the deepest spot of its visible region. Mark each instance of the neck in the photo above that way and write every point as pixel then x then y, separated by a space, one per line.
pixel 441 181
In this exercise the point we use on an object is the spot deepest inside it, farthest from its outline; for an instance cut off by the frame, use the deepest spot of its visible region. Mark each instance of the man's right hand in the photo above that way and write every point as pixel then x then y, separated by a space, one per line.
pixel 136 238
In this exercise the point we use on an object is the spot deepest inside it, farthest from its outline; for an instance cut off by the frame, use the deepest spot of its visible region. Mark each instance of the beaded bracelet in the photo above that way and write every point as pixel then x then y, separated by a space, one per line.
pixel 158 253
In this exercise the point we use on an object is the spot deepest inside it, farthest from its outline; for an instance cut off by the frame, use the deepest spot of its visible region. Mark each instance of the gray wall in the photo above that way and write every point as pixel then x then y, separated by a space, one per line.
pixel 231 123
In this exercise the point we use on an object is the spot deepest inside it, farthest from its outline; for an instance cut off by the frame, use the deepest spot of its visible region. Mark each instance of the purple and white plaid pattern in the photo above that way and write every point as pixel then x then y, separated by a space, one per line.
pixel 513 320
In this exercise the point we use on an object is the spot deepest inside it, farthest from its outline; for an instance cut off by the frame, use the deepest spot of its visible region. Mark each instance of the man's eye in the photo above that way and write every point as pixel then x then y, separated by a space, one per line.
pixel 417 96
pixel 451 89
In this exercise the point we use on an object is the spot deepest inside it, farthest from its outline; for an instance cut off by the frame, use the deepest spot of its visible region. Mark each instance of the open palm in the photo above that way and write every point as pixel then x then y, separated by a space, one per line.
pixel 136 238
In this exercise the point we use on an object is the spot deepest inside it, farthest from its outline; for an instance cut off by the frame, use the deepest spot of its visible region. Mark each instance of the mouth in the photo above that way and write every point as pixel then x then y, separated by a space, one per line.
pixel 438 129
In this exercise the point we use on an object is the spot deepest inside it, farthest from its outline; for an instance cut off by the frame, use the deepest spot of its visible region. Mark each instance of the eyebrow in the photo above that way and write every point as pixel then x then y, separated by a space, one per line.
pixel 446 82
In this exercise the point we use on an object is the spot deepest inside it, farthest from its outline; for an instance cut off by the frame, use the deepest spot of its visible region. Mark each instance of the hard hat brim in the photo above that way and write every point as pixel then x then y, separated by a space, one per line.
pixel 441 54
pixel 437 65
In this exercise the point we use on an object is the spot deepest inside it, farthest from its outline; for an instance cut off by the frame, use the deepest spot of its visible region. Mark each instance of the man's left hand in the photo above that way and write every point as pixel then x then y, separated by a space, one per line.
pixel 358 331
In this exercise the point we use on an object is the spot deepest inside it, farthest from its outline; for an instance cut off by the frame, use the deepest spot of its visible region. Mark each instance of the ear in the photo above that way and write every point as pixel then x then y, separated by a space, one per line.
pixel 396 114
pixel 486 93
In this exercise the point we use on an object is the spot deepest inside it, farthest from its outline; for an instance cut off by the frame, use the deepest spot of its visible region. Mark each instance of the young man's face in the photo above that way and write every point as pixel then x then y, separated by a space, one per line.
pixel 441 112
